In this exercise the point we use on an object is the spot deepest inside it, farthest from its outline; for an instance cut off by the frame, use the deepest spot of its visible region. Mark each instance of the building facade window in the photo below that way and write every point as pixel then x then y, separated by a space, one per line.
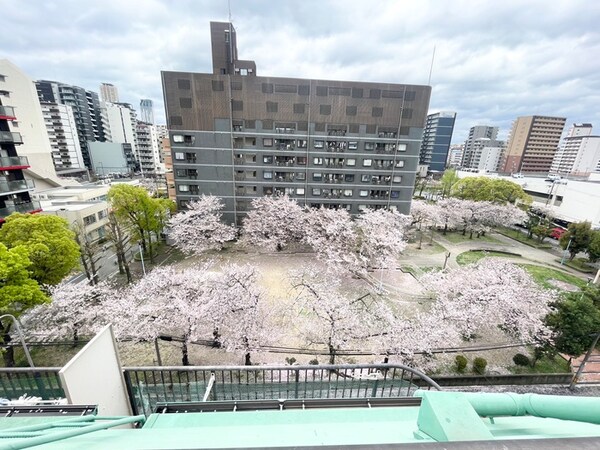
pixel 367 162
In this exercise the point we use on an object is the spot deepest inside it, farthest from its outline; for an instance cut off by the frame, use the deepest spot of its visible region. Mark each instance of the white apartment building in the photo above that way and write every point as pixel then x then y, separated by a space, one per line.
pixel 62 131
pixel 487 155
pixel 36 147
pixel 578 153
pixel 455 155
pixel 122 122
pixel 109 93
pixel 149 151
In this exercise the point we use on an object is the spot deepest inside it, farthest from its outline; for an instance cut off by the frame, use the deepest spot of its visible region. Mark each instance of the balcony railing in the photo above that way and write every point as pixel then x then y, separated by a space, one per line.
pixel 38 382
pixel 11 136
pixel 149 386
pixel 13 162
pixel 16 185
pixel 7 113
pixel 20 208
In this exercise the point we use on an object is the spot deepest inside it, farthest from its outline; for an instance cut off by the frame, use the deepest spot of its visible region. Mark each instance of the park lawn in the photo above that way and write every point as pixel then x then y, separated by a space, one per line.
pixel 522 238
pixel 471 257
pixel 544 365
pixel 543 274
pixel 456 237
pixel 580 264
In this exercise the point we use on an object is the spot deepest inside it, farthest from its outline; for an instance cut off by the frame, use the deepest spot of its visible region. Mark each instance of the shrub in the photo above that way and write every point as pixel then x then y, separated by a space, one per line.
pixel 314 362
pixel 290 361
pixel 461 363
pixel 479 365
pixel 521 360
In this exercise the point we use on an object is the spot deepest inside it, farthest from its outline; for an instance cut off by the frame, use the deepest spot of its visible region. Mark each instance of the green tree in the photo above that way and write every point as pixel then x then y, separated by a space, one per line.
pixel 577 238
pixel 18 291
pixel 141 214
pixel 449 179
pixel 489 189
pixel 49 241
pixel 593 249
pixel 575 320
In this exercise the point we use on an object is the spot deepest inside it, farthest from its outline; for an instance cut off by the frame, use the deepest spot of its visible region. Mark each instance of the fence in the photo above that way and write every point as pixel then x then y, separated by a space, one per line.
pixel 149 386
pixel 38 382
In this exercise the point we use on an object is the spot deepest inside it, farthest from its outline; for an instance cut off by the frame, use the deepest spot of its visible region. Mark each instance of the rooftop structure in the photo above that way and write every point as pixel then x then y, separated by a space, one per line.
pixel 338 144
pixel 146 111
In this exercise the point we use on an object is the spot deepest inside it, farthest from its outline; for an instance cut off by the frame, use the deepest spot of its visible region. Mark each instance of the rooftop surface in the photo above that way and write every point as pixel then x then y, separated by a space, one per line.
pixel 442 417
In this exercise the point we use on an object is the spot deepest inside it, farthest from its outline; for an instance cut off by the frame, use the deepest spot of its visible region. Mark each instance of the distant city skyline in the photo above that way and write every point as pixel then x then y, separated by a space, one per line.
pixel 493 62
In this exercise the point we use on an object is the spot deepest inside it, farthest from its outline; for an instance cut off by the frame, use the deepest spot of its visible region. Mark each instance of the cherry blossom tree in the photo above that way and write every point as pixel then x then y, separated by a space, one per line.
pixel 381 237
pixel 237 310
pixel 166 301
pixel 274 223
pixel 449 213
pixel 334 319
pixel 200 228
pixel 333 237
pixel 75 309
pixel 424 213
pixel 492 293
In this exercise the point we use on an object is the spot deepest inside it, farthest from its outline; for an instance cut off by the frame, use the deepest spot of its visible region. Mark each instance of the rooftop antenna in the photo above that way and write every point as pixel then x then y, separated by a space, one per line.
pixel 229 8
pixel 431 68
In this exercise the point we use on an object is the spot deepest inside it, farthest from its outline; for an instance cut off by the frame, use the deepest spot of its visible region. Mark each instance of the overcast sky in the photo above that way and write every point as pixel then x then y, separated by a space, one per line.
pixel 494 60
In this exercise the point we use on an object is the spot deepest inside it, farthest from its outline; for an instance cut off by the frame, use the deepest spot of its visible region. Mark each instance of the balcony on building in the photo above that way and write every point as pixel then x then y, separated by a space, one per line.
pixel 13 162
pixel 7 113
pixel 11 137
pixel 285 144
pixel 12 187
pixel 25 207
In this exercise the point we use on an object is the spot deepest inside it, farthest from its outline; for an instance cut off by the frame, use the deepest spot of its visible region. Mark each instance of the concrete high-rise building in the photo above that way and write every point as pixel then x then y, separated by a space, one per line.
pixel 31 126
pixel 15 188
pixel 146 111
pixel 487 155
pixel 476 132
pixel 455 155
pixel 579 152
pixel 533 143
pixel 62 131
pixel 436 140
pixel 86 109
pixel 122 122
pixel 149 149
pixel 336 144
pixel 109 93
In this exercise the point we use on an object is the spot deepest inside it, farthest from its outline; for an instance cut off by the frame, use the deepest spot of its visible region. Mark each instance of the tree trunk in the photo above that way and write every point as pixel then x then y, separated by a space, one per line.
pixel 445 228
pixel 86 269
pixel 331 354
pixel 464 231
pixel 247 361
pixel 184 352
pixel 420 239
pixel 471 234
pixel 94 280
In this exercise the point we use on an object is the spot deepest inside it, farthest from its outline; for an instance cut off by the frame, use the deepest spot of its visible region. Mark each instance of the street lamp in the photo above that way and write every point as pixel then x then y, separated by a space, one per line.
pixel 562 261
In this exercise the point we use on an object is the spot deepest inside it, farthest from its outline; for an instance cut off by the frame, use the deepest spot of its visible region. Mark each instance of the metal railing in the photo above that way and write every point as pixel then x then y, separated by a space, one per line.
pixel 16 185
pixel 149 386
pixel 11 136
pixel 38 382
pixel 20 208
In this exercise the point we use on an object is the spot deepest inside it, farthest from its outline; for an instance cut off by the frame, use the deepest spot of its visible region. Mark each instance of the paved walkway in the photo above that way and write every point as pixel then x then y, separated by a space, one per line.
pixel 533 255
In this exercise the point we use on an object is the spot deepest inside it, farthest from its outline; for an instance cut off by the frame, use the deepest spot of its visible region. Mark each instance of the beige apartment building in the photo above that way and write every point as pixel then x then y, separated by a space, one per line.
pixel 533 143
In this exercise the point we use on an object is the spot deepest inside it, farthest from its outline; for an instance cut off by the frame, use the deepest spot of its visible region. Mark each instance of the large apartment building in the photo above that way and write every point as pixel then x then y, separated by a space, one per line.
pixel 436 140
pixel 475 133
pixel 579 152
pixel 86 109
pixel 533 143
pixel 15 189
pixel 337 144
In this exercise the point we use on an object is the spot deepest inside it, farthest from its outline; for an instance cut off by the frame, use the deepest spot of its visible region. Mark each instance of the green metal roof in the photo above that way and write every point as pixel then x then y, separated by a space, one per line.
pixel 442 417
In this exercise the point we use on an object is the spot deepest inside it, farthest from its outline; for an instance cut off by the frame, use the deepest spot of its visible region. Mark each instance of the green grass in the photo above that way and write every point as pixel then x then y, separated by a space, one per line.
pixel 580 264
pixel 543 274
pixel 473 256
pixel 544 365
pixel 430 249
pixel 45 356
pixel 456 237
pixel 522 238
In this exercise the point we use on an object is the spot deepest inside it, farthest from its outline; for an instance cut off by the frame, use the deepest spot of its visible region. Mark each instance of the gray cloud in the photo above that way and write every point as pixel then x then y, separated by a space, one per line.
pixel 494 60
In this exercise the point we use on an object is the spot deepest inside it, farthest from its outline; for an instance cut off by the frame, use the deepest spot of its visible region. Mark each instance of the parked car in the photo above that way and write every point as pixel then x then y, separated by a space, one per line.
pixel 557 233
